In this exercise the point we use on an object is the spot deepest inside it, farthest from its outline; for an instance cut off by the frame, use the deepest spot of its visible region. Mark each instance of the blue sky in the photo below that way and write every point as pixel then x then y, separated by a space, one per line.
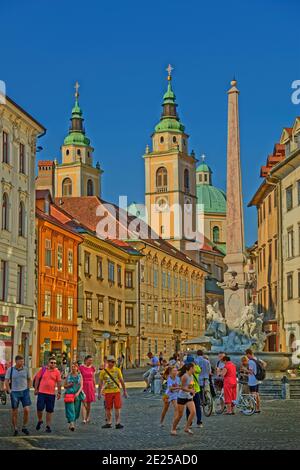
pixel 118 51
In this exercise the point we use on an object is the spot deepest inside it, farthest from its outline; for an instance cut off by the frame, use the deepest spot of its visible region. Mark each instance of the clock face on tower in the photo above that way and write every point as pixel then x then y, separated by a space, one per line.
pixel 162 204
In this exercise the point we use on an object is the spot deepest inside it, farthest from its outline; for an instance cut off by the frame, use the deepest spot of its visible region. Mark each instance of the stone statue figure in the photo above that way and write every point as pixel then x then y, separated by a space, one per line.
pixel 247 331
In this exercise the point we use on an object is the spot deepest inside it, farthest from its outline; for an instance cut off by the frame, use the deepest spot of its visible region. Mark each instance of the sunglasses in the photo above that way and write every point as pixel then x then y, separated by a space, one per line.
pixel 52 362
pixel 112 361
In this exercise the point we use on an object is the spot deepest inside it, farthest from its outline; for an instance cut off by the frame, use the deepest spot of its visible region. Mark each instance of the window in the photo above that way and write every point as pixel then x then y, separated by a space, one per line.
pixel 21 219
pixel 176 319
pixel 289 198
pixel 129 316
pixel 161 139
pixel 70 261
pixel 149 345
pixel 111 271
pixel 20 284
pixel 164 316
pixel 149 314
pixel 270 252
pixel 87 263
pixel 78 152
pixel 270 203
pixel 181 286
pixel 290 245
pixel 70 308
pixel 276 247
pixel 161 178
pixel 67 187
pixel 90 188
pixel 59 257
pixel 5 211
pixel 47 305
pixel 264 256
pixel 205 177
pixel 155 346
pixel 142 312
pixel 99 268
pixel 5 148
pixel 182 320
pixel 164 280
pixel 287 149
pixel 174 139
pixel 187 287
pixel 175 284
pixel 186 180
pixel 170 317
pixel 129 279
pixel 119 313
pixel 290 286
pixel 111 313
pixel 169 281
pixel 155 277
pixel 100 310
pixel 142 272
pixel 22 158
pixel 88 308
pixel 48 253
pixel 155 314
pixel 216 234
pixel 3 280
pixel 275 197
pixel 59 306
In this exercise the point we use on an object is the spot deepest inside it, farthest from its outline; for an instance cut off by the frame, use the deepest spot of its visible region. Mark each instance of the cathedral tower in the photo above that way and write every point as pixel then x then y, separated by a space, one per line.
pixel 76 175
pixel 170 174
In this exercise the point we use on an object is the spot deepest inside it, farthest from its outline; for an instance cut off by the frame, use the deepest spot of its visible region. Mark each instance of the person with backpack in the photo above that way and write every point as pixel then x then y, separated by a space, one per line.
pixel 256 373
pixel 45 382
pixel 17 384
pixel 110 382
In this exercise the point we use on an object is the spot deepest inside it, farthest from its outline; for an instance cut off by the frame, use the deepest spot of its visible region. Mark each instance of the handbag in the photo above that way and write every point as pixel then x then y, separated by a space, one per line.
pixel 82 396
pixel 69 398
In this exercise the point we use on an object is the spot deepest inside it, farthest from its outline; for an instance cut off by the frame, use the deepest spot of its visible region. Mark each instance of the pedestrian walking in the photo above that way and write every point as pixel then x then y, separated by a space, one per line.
pixel 171 394
pixel 110 383
pixel 73 395
pixel 205 367
pixel 253 382
pixel 230 384
pixel 196 397
pixel 87 371
pixel 45 383
pixel 17 384
pixel 149 375
pixel 120 362
pixel 185 398
pixel 160 358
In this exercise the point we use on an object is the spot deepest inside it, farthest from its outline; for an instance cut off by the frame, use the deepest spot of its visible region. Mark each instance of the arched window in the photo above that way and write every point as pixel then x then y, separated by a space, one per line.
pixel 161 139
pixel 162 178
pixel 67 187
pixel 216 234
pixel 5 210
pixel 90 188
pixel 21 219
pixel 186 179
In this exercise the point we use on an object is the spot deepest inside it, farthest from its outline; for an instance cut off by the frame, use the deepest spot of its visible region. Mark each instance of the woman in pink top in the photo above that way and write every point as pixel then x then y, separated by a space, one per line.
pixel 89 387
pixel 230 383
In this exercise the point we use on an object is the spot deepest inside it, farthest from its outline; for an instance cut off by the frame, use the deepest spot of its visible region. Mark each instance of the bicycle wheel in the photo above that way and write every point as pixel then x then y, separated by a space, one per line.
pixel 248 405
pixel 3 398
pixel 219 404
pixel 208 404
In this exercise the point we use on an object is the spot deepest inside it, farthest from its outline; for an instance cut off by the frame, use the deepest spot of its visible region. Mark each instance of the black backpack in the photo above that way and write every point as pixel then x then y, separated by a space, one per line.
pixel 260 370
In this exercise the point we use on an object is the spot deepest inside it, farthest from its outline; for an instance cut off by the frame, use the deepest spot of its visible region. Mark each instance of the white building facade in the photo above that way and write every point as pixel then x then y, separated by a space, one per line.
pixel 18 318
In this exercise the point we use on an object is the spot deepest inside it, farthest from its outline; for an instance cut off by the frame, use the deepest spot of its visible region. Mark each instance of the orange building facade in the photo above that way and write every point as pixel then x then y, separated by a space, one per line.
pixel 57 282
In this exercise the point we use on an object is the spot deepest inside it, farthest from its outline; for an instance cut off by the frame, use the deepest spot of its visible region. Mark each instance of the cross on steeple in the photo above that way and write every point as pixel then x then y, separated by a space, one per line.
pixel 203 156
pixel 76 89
pixel 169 70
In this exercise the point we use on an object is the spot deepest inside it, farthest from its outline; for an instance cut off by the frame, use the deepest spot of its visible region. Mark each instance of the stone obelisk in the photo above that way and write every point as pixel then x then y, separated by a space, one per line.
pixel 234 277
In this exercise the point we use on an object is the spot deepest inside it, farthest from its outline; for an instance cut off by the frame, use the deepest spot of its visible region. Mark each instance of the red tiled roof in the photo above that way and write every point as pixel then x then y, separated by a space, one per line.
pixel 272 159
pixel 45 163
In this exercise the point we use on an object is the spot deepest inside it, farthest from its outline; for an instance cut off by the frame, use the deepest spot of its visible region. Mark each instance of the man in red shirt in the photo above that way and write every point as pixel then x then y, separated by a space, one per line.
pixel 46 380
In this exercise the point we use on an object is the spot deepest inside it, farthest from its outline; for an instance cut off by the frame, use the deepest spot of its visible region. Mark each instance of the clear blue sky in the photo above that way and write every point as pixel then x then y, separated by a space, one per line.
pixel 118 51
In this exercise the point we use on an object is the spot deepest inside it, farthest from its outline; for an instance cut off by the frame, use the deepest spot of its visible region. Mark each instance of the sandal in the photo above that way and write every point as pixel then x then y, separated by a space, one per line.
pixel 188 431
pixel 173 433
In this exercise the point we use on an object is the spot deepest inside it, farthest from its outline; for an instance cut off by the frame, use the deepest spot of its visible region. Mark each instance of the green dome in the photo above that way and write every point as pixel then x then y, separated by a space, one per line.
pixel 169 120
pixel 203 167
pixel 169 124
pixel 213 199
pixel 76 138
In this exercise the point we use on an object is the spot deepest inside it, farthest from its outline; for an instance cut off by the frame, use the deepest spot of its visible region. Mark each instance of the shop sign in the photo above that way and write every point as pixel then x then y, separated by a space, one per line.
pixel 59 329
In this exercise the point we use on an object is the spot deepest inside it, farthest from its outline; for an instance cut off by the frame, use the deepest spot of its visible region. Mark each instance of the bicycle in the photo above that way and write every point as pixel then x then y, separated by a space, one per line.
pixel 245 402
pixel 3 396
pixel 206 399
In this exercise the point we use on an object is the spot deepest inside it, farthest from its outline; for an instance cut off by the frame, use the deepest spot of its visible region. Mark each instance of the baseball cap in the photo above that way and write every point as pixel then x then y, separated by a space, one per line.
pixel 189 359
pixel 111 358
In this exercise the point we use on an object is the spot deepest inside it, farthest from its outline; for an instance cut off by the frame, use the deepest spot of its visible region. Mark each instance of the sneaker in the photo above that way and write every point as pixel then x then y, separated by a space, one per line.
pixel 15 433
pixel 106 426
pixel 200 425
pixel 119 426
pixel 48 429
pixel 38 426
pixel 25 431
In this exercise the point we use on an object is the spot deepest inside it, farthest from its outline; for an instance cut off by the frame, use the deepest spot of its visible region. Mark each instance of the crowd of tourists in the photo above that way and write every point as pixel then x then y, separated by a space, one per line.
pixel 185 379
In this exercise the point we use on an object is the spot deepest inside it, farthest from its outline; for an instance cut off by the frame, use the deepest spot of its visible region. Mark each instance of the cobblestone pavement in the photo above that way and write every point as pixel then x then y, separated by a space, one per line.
pixel 275 428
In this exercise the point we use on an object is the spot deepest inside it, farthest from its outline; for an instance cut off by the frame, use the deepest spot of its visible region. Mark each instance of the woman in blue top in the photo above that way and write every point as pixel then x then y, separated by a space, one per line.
pixel 73 386
pixel 185 398
pixel 171 395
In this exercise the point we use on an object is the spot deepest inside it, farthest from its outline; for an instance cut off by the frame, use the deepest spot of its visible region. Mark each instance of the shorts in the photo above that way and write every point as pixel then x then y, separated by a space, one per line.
pixel 253 388
pixel 113 400
pixel 17 397
pixel 150 374
pixel 2 378
pixel 44 400
pixel 183 401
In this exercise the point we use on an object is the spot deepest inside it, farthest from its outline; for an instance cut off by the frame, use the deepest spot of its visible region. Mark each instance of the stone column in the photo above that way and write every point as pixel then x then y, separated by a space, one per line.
pixel 234 285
